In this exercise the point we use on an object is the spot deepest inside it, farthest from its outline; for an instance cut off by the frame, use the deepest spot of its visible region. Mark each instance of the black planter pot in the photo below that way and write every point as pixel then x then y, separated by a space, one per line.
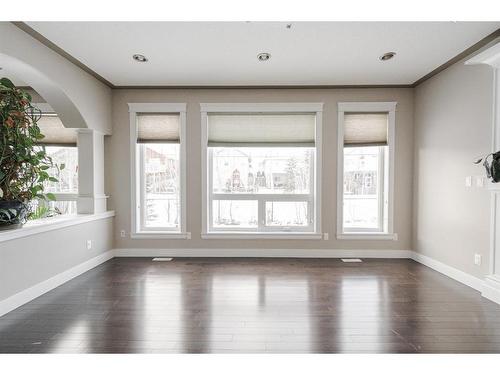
pixel 13 214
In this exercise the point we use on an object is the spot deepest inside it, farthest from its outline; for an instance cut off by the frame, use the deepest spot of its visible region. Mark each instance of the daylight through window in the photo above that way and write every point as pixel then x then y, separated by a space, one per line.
pixel 261 172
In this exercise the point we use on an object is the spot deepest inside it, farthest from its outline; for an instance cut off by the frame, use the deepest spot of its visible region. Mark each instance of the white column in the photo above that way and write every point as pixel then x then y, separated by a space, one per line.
pixel 91 197
pixel 491 286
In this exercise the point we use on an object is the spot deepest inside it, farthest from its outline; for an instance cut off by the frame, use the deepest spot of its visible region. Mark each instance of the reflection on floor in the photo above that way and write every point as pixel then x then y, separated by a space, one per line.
pixel 219 305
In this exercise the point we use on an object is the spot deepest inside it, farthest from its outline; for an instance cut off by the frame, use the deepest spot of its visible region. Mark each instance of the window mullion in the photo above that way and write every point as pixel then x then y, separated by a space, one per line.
pixel 261 214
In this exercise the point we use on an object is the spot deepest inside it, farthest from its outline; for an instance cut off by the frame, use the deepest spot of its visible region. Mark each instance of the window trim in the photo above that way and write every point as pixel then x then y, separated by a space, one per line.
pixel 135 184
pixel 367 107
pixel 205 109
pixel 63 197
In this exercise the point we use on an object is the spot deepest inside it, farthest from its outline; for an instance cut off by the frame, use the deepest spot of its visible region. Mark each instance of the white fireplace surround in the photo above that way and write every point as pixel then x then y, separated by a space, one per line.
pixel 491 284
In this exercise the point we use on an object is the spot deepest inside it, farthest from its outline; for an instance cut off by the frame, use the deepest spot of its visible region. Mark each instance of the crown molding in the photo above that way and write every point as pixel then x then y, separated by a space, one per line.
pixel 35 34
pixel 469 51
pixel 47 43
pixel 261 87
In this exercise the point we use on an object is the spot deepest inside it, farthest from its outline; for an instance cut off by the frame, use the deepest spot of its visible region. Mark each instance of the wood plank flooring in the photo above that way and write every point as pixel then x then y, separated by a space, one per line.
pixel 221 305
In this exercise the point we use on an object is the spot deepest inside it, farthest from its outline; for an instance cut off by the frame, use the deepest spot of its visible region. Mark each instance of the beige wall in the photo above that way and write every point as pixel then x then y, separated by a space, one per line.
pixel 453 119
pixel 118 162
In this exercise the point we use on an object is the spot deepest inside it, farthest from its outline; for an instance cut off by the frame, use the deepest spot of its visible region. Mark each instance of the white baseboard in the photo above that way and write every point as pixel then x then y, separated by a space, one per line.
pixel 264 253
pixel 491 289
pixel 19 299
pixel 456 274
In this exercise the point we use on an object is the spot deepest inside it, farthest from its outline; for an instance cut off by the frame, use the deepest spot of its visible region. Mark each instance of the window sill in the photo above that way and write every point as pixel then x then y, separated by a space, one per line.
pixel 255 236
pixel 161 236
pixel 49 224
pixel 367 236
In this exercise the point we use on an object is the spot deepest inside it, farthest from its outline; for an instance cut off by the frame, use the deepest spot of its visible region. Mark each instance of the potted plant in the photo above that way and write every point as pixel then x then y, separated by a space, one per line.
pixel 24 163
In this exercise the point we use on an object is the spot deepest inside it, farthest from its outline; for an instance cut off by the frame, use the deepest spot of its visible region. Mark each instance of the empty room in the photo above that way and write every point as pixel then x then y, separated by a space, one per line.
pixel 251 187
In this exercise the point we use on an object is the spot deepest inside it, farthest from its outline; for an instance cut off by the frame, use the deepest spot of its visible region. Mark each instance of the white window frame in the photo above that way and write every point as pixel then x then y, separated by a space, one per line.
pixel 311 232
pixel 388 169
pixel 67 197
pixel 164 233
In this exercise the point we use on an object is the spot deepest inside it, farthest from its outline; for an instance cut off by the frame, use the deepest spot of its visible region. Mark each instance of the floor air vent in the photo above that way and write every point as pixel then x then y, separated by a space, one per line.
pixel 351 260
pixel 162 259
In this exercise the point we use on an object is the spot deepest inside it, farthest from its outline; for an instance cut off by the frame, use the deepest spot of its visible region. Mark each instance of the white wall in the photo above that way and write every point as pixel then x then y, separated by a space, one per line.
pixel 79 99
pixel 27 261
pixel 453 121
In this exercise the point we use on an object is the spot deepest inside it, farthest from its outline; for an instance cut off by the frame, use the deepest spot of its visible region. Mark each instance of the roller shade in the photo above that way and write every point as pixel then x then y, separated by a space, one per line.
pixel 365 129
pixel 55 133
pixel 261 129
pixel 158 128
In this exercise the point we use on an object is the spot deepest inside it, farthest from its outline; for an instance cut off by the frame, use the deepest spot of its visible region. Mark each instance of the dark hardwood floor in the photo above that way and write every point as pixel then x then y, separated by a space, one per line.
pixel 134 305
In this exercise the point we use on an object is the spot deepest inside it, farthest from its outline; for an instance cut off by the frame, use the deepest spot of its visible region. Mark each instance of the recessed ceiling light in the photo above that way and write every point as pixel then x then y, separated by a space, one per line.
pixel 139 58
pixel 264 56
pixel 387 56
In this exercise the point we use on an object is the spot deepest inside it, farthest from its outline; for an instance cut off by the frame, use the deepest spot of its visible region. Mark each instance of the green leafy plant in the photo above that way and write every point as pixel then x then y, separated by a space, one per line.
pixel 24 163
pixel 41 211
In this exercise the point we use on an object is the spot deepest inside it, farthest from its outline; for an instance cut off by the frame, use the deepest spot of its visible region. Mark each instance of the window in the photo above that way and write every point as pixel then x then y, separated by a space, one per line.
pixel 160 193
pixel 366 160
pixel 157 132
pixel 364 186
pixel 61 145
pixel 275 181
pixel 261 172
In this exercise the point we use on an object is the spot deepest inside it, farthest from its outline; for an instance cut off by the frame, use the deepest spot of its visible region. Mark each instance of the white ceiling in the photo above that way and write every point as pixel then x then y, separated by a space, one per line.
pixel 224 53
